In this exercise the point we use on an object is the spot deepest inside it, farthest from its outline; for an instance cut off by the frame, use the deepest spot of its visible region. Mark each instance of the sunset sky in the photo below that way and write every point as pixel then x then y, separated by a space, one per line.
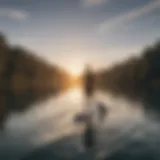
pixel 72 33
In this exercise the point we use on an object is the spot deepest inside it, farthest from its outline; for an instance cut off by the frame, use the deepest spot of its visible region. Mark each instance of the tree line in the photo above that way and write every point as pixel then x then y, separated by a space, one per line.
pixel 25 78
pixel 136 78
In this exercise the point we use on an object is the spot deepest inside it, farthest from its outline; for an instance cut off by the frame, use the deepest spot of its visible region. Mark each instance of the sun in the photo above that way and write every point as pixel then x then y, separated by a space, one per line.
pixel 75 69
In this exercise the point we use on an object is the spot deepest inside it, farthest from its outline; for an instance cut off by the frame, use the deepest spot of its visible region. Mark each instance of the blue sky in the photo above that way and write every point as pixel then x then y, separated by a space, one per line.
pixel 71 33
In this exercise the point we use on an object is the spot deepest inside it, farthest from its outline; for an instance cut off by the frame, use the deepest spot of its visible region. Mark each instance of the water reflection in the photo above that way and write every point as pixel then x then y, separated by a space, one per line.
pixel 50 125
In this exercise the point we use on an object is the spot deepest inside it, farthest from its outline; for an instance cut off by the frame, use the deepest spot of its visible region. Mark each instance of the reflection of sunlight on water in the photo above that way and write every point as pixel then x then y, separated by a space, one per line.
pixel 74 94
pixel 70 104
pixel 53 119
pixel 49 120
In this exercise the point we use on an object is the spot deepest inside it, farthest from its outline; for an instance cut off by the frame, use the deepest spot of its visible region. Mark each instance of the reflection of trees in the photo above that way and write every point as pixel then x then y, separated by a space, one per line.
pixel 138 77
pixel 24 79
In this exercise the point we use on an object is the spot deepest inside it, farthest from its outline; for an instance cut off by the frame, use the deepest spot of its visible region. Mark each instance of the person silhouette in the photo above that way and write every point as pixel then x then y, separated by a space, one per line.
pixel 92 110
pixel 93 118
pixel 89 130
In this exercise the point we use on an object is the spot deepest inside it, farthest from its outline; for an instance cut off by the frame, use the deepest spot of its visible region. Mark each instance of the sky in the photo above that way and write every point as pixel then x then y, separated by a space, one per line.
pixel 71 33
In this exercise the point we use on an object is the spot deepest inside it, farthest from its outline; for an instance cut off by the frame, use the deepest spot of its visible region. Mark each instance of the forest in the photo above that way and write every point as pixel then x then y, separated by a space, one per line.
pixel 137 78
pixel 26 79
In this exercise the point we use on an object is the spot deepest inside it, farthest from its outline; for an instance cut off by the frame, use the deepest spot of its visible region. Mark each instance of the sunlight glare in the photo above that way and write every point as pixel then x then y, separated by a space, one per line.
pixel 75 69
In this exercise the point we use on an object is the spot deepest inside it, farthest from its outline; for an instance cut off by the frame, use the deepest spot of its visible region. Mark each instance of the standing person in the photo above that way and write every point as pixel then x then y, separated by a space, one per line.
pixel 89 131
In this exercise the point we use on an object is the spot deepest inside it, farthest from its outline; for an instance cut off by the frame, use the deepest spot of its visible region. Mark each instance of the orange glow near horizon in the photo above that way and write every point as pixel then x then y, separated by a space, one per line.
pixel 75 69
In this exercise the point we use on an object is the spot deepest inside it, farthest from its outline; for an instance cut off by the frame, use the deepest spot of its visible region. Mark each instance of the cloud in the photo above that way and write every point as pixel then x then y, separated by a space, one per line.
pixel 14 14
pixel 129 16
pixel 89 3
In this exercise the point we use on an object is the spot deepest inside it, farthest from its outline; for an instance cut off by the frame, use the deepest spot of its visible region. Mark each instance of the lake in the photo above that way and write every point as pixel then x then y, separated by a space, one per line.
pixel 48 127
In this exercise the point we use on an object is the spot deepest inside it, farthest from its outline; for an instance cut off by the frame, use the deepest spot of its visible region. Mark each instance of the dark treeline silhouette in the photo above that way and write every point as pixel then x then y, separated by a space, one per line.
pixel 25 78
pixel 137 78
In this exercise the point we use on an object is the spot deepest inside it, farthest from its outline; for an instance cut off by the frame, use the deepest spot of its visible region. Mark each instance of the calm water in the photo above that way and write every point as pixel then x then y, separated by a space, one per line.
pixel 49 125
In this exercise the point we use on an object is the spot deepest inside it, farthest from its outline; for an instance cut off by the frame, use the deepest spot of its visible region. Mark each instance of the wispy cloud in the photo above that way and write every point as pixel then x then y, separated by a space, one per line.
pixel 14 14
pixel 129 16
pixel 90 3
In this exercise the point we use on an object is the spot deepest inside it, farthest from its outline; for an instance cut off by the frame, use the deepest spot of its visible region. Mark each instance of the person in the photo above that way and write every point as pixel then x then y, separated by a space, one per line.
pixel 88 117
pixel 97 112
pixel 92 117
